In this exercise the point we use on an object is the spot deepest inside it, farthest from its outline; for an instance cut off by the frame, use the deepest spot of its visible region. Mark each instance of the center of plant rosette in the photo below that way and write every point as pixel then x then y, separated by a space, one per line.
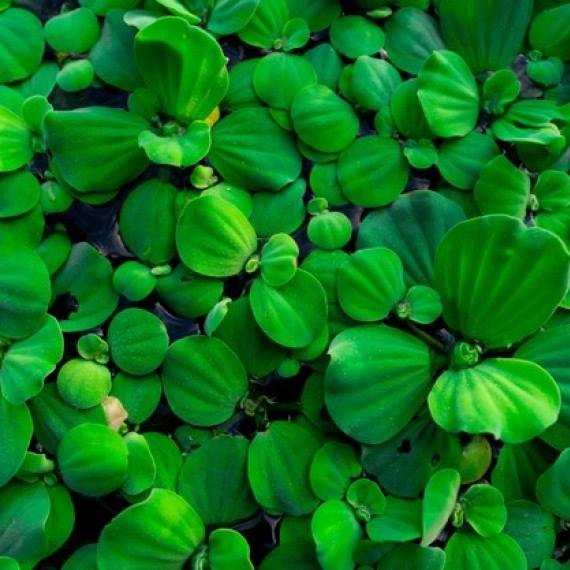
pixel 465 355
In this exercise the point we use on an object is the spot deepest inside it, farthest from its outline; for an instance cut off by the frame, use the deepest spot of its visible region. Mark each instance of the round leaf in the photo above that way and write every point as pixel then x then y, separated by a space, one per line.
pixel 448 94
pixel 22 46
pixel 353 36
pixel 373 171
pixel 377 379
pixel 552 487
pixel 488 35
pixel 163 531
pixel 138 341
pixel 322 119
pixel 292 315
pixel 278 468
pixel 514 400
pixel 15 432
pixel 370 284
pixel 214 238
pixel 204 482
pixel 508 291
pixel 184 66
pixel 421 217
pixel 484 509
pixel 203 380
pixel 336 533
pixel 92 459
pixel 251 151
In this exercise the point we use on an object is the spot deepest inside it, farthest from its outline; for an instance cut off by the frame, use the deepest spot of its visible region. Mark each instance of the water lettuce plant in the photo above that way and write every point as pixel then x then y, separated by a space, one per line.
pixel 284 284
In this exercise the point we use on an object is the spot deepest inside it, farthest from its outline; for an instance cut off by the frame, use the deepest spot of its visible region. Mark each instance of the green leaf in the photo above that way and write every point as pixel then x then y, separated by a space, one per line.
pixel 298 554
pixel 518 468
pixel 407 113
pixel 372 82
pixel 512 399
pixel 142 469
pixel 87 278
pixel 322 119
pixel 353 36
pixel 552 189
pixel 324 265
pixel 499 90
pixel 16 141
pixel 184 66
pixel 336 533
pixel 440 496
pixel 16 433
pixel 278 468
pixel 448 94
pixel 266 25
pixel 278 77
pixel 330 230
pixel 72 32
pixel 549 34
pixel 533 529
pixel 113 55
pixel 461 160
pixel 411 36
pixel 24 282
pixel 92 459
pixel 278 260
pixel 167 458
pixel 391 371
pixel 239 330
pixel 76 76
pixel 203 380
pixel 372 171
pixel 469 551
pixel 366 498
pixel 332 468
pixel 414 557
pixel 138 341
pixel 25 510
pixel 532 122
pixel 319 14
pixel 506 293
pixel 404 464
pixel 400 522
pixel 421 154
pixel 139 395
pixel 488 35
pixel 103 7
pixel 22 46
pixel 181 151
pixel 61 519
pixel 413 227
pixel 230 16
pixel 214 238
pixel 370 284
pixel 228 550
pixel 326 62
pixel 475 459
pixel 281 212
pixel 19 193
pixel 549 350
pixel 188 294
pixel 424 304
pixel 96 148
pixel 251 151
pixel 502 189
pixel 484 509
pixel 552 487
pixel 204 482
pixel 292 315
pixel 147 221
pixel 27 362
pixel 162 531
pixel 53 418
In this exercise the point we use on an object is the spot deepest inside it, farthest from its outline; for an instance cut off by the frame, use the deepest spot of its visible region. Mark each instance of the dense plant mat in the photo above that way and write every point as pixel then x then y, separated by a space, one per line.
pixel 284 284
